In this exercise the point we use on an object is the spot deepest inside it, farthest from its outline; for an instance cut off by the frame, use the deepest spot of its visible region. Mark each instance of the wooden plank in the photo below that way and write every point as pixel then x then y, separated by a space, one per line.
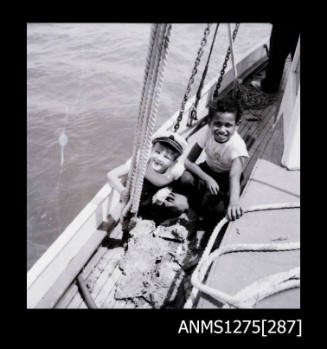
pixel 68 297
pixel 94 261
pixel 108 267
pixel 110 300
pixel 108 286
pixel 113 257
pixel 73 289
pixel 97 273
pixel 77 301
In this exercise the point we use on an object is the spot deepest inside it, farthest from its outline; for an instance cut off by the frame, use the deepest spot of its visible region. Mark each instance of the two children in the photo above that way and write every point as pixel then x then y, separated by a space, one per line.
pixel 213 185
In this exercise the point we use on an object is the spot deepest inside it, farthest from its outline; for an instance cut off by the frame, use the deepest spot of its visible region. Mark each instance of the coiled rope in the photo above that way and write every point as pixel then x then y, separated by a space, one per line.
pixel 199 272
pixel 248 96
pixel 155 65
pixel 251 97
pixel 258 290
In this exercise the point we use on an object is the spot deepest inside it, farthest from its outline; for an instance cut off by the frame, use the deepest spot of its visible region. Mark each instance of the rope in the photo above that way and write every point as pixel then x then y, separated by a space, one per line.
pixel 254 292
pixel 153 78
pixel 146 109
pixel 266 287
pixel 193 112
pixel 140 120
pixel 213 238
pixel 153 108
pixel 251 97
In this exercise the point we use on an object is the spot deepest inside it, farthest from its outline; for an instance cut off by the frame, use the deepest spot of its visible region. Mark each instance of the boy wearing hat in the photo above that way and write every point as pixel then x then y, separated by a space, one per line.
pixel 161 197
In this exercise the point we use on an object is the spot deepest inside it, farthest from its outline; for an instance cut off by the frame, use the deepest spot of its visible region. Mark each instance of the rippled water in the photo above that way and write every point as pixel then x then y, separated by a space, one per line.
pixel 85 80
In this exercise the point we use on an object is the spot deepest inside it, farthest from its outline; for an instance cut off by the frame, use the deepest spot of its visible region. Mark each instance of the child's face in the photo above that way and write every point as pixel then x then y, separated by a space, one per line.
pixel 223 125
pixel 162 158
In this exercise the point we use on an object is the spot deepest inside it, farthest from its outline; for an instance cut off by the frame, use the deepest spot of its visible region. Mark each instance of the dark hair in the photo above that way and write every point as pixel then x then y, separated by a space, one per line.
pixel 222 105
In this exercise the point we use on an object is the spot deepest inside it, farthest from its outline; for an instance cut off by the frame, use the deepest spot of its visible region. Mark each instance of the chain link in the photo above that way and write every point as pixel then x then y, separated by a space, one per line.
pixel 222 71
pixel 191 80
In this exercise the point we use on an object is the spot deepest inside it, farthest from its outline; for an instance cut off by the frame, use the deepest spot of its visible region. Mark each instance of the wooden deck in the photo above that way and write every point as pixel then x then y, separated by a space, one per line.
pixel 102 272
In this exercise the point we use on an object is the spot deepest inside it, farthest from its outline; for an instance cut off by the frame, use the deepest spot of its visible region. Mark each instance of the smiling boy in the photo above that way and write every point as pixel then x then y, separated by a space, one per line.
pixel 163 173
pixel 218 178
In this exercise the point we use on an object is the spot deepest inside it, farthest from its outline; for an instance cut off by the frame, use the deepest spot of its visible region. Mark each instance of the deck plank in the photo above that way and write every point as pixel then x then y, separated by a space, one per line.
pixel 96 274
pixel 103 282
pixel 68 297
pixel 76 302
pixel 108 287
pixel 73 289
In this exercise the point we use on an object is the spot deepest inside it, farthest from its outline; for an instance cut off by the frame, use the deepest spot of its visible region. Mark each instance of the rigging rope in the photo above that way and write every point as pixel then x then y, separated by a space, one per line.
pixel 162 45
pixel 156 61
pixel 199 272
pixel 193 112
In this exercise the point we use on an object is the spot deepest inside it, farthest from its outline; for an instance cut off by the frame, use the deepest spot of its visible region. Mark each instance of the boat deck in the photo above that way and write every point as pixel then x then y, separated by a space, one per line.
pixel 102 272
pixel 268 184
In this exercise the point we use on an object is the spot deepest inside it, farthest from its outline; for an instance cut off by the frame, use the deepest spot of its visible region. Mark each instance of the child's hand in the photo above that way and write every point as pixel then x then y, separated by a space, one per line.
pixel 234 211
pixel 212 185
pixel 161 195
pixel 178 201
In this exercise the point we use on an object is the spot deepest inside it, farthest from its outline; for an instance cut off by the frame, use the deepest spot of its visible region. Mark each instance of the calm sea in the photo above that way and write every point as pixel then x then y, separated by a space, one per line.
pixel 85 80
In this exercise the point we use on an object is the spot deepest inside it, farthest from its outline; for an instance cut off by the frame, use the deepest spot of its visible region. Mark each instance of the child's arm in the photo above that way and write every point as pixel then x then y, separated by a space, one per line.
pixel 234 210
pixel 113 177
pixel 193 167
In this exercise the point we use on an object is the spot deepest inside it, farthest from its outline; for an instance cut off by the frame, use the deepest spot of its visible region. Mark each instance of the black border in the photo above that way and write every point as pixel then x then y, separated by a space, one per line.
pixel 144 323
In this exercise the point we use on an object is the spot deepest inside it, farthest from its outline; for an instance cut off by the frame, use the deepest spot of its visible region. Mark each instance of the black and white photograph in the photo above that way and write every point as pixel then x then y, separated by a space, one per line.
pixel 163 166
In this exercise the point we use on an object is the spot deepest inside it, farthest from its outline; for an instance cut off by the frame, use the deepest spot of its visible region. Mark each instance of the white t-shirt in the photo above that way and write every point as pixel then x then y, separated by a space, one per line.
pixel 219 156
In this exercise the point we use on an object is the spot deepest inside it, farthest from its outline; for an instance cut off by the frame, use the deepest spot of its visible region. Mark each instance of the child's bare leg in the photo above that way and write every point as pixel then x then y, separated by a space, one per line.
pixel 213 209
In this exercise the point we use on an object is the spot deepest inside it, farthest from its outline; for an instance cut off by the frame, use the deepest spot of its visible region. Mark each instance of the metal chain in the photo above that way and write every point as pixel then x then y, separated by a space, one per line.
pixel 222 71
pixel 193 111
pixel 191 79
